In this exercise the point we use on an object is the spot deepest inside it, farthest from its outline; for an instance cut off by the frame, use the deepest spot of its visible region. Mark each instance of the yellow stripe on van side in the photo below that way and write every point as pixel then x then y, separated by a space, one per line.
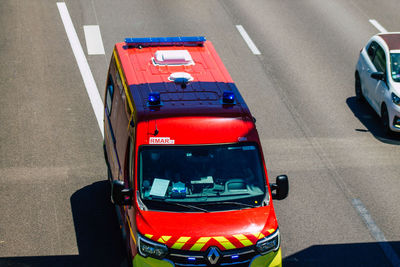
pixel 148 236
pixel 243 239
pixel 121 74
pixel 224 242
pixel 180 242
pixel 200 243
pixel 130 230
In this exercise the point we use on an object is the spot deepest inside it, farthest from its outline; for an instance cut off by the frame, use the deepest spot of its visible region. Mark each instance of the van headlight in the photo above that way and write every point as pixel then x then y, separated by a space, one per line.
pixel 149 248
pixel 269 243
pixel 395 99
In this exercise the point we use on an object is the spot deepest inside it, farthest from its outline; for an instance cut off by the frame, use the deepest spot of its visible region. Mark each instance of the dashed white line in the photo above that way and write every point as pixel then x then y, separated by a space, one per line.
pixel 248 40
pixel 87 76
pixel 94 43
pixel 376 232
pixel 378 26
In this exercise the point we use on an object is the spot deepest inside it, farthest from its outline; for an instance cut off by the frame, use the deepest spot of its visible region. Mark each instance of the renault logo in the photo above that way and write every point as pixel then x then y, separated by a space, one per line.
pixel 213 255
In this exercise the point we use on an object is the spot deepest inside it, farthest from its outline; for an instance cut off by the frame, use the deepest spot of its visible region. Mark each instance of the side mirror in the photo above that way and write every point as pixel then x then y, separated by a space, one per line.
pixel 380 76
pixel 119 194
pixel 281 187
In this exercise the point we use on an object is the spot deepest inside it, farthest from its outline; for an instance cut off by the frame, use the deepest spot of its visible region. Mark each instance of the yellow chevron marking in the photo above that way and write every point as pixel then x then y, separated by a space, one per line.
pixel 244 240
pixel 180 242
pixel 164 239
pixel 200 243
pixel 271 231
pixel 259 235
pixel 148 236
pixel 224 242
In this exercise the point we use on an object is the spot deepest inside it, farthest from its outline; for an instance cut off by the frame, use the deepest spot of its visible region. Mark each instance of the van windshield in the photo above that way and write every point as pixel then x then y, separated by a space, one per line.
pixel 212 177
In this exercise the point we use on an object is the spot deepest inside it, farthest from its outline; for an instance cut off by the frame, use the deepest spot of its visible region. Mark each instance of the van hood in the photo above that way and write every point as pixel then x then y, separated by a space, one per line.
pixel 199 231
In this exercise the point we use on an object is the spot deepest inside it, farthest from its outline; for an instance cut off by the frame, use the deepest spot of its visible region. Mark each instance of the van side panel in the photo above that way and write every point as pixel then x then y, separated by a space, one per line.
pixel 119 120
pixel 109 136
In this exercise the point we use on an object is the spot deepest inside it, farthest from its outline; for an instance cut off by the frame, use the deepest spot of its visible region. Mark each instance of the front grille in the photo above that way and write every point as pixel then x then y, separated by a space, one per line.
pixel 235 257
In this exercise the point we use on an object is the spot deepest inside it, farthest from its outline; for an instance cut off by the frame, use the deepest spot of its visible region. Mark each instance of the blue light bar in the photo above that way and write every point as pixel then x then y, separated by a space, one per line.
pixel 166 41
pixel 228 97
pixel 234 257
pixel 154 99
pixel 191 258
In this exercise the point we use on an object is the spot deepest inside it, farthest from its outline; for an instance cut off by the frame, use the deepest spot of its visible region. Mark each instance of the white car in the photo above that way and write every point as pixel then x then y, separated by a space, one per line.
pixel 377 78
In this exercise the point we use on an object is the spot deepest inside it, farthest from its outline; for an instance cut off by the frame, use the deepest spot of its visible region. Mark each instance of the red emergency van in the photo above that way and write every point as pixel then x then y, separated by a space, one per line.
pixel 184 159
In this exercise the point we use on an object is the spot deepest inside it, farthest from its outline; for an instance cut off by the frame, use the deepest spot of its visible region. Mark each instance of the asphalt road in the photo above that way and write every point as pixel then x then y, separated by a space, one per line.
pixel 54 201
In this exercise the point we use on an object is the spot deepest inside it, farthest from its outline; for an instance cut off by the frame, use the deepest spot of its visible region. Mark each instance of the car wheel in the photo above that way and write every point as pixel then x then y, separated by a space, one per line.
pixel 385 121
pixel 359 94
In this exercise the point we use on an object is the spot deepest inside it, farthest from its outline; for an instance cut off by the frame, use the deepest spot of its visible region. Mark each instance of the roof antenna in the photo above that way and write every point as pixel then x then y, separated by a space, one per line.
pixel 156 130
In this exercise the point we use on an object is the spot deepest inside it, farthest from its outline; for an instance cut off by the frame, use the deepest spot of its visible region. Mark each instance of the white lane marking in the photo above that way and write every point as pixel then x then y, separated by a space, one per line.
pixel 376 232
pixel 94 43
pixel 378 26
pixel 248 40
pixel 87 76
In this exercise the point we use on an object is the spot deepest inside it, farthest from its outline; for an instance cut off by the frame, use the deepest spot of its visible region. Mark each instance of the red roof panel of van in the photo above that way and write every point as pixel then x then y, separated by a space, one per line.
pixel 148 69
pixel 140 68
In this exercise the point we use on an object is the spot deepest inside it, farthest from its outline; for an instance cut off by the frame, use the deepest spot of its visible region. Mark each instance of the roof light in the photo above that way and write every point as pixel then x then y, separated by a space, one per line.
pixel 228 97
pixel 154 99
pixel 172 57
pixel 180 77
pixel 166 41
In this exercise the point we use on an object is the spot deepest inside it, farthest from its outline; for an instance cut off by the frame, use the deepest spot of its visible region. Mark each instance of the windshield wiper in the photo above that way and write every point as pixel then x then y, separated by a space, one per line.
pixel 229 203
pixel 191 207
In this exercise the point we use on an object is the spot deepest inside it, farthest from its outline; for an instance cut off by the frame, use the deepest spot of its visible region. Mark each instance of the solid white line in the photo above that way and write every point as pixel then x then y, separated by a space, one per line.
pixel 87 76
pixel 378 26
pixel 376 232
pixel 94 43
pixel 248 40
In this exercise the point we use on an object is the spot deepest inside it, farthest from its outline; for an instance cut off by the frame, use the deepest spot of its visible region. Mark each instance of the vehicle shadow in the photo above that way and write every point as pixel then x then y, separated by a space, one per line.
pixel 355 254
pixel 97 232
pixel 367 116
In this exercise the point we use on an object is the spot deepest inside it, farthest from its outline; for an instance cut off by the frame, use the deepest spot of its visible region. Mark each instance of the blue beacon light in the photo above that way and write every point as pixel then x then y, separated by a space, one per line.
pixel 228 97
pixel 154 99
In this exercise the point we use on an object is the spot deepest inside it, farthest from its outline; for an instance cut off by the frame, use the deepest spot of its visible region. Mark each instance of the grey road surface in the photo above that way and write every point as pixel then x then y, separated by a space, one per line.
pixel 54 201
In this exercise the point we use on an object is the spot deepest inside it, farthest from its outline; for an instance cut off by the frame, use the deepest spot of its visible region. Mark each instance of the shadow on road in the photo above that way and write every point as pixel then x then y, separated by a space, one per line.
pixel 356 254
pixel 372 122
pixel 97 233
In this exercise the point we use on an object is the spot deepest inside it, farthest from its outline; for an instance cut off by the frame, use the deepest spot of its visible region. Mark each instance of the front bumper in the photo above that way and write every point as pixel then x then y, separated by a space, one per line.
pixel 273 259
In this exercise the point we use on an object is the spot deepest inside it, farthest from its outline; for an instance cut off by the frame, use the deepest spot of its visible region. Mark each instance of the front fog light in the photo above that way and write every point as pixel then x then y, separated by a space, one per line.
pixel 269 243
pixel 149 248
pixel 396 122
